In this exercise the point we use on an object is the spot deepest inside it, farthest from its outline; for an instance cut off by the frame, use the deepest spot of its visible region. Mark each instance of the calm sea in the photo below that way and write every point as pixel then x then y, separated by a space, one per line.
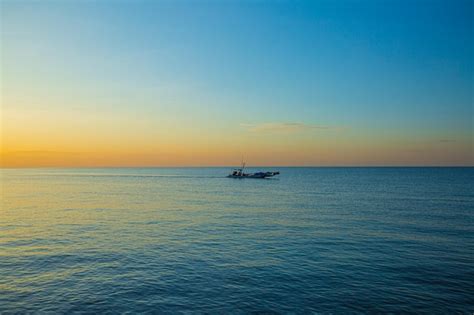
pixel 169 240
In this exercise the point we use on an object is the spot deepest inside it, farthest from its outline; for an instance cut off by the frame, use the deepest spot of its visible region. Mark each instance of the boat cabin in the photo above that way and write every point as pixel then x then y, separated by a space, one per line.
pixel 237 172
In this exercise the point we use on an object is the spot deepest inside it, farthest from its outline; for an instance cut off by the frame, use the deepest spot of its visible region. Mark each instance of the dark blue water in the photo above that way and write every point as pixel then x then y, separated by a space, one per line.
pixel 322 240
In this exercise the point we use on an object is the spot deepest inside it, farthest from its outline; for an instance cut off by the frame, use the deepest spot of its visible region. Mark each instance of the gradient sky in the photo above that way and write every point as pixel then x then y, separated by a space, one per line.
pixel 195 83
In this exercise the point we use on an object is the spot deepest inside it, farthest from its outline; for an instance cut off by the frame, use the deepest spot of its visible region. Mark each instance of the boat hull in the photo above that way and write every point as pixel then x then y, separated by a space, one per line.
pixel 260 175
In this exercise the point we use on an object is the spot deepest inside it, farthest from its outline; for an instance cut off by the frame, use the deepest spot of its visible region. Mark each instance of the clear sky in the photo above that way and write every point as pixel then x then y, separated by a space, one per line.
pixel 195 83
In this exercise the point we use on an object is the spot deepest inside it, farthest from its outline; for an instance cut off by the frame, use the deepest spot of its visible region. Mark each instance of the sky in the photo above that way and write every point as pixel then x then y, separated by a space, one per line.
pixel 205 83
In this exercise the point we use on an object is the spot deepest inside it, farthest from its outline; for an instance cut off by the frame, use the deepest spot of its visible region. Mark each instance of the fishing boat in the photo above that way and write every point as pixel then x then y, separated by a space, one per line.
pixel 239 173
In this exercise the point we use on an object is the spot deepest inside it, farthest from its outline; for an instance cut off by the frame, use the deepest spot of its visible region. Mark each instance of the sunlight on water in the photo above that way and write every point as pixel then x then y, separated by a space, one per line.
pixel 316 239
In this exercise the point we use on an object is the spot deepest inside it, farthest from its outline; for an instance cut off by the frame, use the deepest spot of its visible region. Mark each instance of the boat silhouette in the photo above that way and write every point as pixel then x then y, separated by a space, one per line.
pixel 239 173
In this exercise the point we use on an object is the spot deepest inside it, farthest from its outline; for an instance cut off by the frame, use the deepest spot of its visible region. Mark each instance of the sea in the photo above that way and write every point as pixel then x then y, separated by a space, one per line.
pixel 317 240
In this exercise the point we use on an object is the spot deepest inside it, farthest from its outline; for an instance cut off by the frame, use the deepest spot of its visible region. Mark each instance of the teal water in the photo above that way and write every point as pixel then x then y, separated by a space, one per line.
pixel 168 240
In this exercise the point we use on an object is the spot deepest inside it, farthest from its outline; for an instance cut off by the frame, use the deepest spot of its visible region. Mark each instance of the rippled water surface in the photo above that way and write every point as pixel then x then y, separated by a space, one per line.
pixel 323 240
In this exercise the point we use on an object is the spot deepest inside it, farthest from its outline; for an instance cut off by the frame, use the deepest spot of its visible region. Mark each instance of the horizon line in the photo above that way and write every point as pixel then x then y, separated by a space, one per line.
pixel 254 166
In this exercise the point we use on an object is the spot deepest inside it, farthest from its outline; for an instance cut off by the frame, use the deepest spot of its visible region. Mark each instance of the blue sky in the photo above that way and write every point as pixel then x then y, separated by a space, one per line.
pixel 400 69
